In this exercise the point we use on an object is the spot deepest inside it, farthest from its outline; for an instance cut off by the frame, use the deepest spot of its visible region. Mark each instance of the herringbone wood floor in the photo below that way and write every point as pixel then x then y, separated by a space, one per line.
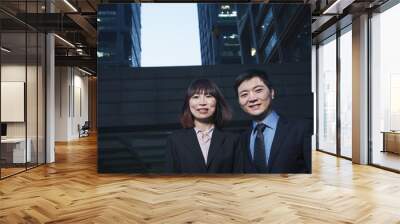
pixel 71 191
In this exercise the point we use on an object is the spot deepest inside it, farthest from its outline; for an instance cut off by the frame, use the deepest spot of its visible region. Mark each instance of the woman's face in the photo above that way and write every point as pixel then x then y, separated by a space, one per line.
pixel 202 106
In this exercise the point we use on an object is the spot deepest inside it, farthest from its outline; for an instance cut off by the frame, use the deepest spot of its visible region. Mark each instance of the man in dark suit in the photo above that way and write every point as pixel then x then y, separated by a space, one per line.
pixel 273 143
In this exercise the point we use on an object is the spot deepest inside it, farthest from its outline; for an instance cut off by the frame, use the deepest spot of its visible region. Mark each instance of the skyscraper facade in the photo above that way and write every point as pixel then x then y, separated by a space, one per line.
pixel 219 40
pixel 274 33
pixel 119 29
pixel 253 33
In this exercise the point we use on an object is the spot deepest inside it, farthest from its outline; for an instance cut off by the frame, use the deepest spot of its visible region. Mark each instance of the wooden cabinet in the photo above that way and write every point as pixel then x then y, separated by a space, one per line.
pixel 391 142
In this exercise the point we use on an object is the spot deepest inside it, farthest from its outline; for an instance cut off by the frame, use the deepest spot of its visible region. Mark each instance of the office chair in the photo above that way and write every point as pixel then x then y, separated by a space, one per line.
pixel 84 130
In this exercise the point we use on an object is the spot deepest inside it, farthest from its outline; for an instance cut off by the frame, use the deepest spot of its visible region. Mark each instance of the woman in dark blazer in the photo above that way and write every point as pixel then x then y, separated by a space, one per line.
pixel 202 146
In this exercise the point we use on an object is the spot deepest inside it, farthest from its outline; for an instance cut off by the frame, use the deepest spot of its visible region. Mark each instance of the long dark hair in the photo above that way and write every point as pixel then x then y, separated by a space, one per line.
pixel 222 112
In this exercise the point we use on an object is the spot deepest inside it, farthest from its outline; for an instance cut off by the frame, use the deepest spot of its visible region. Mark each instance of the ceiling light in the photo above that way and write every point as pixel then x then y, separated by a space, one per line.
pixel 5 50
pixel 70 5
pixel 64 40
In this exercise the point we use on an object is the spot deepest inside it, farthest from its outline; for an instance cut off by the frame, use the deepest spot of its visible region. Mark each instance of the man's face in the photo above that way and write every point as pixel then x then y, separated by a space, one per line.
pixel 255 97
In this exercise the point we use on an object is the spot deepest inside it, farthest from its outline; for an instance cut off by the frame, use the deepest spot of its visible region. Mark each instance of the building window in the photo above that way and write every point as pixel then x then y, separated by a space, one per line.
pixel 227 11
pixel 346 94
pixel 385 89
pixel 270 46
pixel 266 22
pixel 327 95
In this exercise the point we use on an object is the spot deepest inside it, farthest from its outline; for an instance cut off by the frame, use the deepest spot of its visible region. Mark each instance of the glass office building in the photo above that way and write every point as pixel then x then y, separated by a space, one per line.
pixel 251 33
pixel 119 31
pixel 271 33
pixel 219 39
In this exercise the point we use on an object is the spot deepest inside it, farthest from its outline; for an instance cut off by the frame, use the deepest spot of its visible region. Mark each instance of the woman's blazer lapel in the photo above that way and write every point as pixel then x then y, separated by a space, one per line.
pixel 217 140
pixel 192 144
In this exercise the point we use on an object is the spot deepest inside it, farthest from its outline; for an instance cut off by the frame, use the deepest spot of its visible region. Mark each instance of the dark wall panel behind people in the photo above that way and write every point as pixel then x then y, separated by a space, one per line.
pixel 140 107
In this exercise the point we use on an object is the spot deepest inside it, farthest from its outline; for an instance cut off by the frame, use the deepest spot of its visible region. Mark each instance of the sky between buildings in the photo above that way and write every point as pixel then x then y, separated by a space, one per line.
pixel 170 35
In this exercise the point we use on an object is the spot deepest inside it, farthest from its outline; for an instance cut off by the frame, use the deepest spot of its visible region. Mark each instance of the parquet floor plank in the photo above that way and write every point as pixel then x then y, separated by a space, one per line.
pixel 71 191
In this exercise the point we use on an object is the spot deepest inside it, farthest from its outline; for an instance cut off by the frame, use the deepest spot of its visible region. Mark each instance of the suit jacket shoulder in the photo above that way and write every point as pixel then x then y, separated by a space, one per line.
pixel 302 125
pixel 179 133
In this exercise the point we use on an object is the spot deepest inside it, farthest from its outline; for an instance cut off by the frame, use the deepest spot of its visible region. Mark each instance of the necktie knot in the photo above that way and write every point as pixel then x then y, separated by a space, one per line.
pixel 260 127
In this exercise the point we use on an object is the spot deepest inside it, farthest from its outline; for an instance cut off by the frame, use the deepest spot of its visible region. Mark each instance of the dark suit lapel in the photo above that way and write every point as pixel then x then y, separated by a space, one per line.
pixel 216 144
pixel 247 146
pixel 192 144
pixel 279 137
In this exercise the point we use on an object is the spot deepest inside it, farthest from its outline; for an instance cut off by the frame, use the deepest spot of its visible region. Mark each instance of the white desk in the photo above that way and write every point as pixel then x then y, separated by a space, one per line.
pixel 18 144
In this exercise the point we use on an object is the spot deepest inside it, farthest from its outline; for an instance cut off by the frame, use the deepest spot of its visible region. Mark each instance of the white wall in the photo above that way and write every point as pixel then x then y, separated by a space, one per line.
pixel 33 126
pixel 16 73
pixel 71 93
pixel 61 103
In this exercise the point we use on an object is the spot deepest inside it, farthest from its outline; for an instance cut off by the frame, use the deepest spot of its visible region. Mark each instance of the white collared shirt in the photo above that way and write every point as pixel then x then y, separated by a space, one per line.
pixel 204 138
